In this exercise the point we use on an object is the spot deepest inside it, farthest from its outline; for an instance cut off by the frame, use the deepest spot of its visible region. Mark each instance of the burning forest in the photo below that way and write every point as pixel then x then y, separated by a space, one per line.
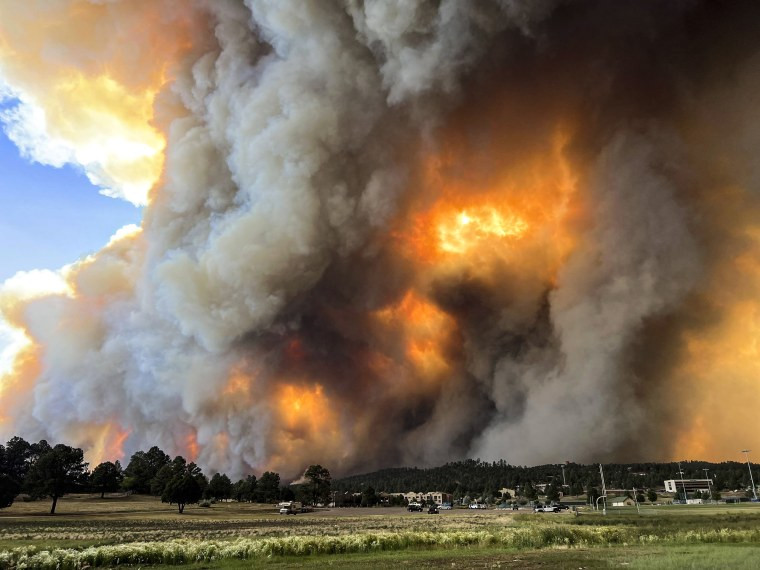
pixel 388 233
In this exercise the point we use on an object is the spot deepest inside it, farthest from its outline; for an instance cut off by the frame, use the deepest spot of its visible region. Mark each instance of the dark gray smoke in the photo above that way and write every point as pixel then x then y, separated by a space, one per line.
pixel 410 232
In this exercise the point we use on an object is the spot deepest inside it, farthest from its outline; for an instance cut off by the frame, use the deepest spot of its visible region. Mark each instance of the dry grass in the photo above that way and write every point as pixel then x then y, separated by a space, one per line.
pixel 142 530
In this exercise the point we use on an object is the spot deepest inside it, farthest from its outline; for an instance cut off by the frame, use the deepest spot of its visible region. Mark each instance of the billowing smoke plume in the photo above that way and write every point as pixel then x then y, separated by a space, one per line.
pixel 385 233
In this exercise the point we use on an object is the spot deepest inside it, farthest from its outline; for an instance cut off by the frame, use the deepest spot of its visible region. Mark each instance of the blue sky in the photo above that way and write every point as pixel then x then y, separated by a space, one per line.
pixel 51 216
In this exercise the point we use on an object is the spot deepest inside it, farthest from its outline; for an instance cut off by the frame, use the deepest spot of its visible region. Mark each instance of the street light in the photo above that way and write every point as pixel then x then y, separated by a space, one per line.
pixel 746 452
pixel 604 492
pixel 709 488
pixel 682 483
pixel 564 483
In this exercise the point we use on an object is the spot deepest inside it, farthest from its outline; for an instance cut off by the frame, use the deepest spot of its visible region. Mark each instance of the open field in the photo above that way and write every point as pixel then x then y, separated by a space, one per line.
pixel 89 531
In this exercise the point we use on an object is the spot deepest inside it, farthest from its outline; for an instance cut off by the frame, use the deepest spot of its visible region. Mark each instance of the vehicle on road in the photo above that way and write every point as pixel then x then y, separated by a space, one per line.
pixel 445 507
pixel 432 510
pixel 414 508
pixel 290 507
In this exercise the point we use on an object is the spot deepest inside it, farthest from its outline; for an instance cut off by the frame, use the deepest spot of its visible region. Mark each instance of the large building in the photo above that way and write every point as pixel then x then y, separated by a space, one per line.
pixel 679 486
pixel 436 496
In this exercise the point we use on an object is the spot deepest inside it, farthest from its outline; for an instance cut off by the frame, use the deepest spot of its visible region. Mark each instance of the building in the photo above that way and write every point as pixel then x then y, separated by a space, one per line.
pixel 437 497
pixel 678 486
pixel 623 502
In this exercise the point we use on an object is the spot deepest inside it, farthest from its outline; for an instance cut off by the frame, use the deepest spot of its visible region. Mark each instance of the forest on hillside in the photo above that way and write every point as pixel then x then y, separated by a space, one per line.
pixel 476 477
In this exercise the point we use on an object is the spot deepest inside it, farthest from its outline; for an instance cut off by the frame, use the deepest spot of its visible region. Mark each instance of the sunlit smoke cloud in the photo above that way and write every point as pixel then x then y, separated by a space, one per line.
pixel 393 232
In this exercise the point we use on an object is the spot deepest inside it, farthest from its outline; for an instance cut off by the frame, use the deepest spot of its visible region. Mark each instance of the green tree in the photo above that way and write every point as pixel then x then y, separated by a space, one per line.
pixel 9 488
pixel 220 487
pixel 268 488
pixel 17 456
pixel 652 496
pixel 369 497
pixel 162 478
pixel 552 493
pixel 317 486
pixel 593 494
pixel 244 489
pixel 143 466
pixel 107 477
pixel 182 489
pixel 55 472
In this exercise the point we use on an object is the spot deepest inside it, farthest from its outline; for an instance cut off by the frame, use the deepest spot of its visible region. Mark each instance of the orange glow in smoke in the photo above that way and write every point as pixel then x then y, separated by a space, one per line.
pixel 191 444
pixel 97 101
pixel 238 385
pixel 103 443
pixel 426 330
pixel 501 217
pixel 303 408
pixel 468 228
pixel 306 426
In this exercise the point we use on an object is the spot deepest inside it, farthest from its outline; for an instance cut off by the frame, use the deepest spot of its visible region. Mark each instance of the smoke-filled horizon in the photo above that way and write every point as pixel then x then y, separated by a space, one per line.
pixel 387 233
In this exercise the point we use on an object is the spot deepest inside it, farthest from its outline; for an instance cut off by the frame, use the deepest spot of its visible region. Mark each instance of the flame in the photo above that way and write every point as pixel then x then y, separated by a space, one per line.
pixel 468 228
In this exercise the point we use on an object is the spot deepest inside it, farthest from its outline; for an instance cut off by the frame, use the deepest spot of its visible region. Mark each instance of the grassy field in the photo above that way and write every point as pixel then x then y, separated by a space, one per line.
pixel 89 531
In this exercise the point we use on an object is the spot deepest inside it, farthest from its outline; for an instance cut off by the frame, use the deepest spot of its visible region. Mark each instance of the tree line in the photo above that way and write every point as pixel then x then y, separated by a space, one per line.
pixel 477 479
pixel 40 470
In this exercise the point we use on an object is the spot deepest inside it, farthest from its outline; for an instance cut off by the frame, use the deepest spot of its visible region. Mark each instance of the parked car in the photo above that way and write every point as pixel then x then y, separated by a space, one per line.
pixel 414 508
pixel 432 510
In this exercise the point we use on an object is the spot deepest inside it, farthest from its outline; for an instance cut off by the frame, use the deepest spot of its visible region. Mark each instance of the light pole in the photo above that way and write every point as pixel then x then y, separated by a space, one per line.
pixel 564 483
pixel 709 487
pixel 682 483
pixel 604 492
pixel 751 480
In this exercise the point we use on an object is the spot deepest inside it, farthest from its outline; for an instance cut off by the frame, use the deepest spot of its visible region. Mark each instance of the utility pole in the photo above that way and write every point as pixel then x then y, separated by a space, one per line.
pixel 604 491
pixel 564 483
pixel 746 452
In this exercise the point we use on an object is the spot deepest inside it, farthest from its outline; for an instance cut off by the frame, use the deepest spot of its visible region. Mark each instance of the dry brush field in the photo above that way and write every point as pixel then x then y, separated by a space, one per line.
pixel 142 531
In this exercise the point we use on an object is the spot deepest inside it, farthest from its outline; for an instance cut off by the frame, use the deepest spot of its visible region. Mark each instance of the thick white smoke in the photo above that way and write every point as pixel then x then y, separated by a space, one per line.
pixel 265 315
